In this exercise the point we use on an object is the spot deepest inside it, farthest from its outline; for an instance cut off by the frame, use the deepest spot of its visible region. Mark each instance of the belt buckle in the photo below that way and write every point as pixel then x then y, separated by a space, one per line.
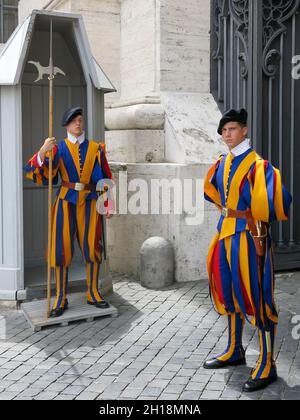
pixel 224 212
pixel 79 186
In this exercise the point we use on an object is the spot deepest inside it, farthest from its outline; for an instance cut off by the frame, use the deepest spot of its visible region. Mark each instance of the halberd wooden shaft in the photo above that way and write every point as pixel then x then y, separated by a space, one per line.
pixel 50 198
pixel 51 77
pixel 50 71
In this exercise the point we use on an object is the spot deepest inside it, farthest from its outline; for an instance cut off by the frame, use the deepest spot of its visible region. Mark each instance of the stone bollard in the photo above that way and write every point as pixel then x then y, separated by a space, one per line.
pixel 156 263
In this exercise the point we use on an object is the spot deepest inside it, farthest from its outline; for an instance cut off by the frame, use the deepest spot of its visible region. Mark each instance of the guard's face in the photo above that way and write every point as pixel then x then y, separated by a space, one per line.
pixel 233 134
pixel 76 126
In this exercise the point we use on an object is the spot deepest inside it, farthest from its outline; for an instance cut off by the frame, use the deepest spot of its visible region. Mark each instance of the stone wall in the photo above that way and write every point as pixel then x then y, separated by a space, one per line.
pixel 190 232
pixel 185 46
pixel 26 7
pixel 102 23
pixel 138 48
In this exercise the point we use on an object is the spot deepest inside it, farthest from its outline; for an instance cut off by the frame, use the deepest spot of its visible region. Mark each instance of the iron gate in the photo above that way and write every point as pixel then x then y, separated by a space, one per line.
pixel 255 44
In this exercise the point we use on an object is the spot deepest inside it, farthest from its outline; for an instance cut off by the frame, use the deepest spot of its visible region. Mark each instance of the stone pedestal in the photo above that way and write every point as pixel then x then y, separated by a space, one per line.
pixel 156 263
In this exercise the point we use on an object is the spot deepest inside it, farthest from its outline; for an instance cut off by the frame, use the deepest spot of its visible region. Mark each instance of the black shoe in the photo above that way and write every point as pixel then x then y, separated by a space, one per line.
pixel 56 312
pixel 218 364
pixel 102 304
pixel 253 385
pixel 59 311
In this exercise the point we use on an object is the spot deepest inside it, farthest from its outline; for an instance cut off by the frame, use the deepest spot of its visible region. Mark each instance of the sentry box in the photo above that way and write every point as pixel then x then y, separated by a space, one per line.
pixel 24 110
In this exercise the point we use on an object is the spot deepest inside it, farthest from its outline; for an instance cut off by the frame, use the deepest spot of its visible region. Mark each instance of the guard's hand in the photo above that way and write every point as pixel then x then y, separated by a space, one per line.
pixel 48 145
pixel 110 209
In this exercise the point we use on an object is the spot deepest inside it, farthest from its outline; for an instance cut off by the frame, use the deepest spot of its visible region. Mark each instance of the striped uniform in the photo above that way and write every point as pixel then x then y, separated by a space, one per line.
pixel 74 212
pixel 240 183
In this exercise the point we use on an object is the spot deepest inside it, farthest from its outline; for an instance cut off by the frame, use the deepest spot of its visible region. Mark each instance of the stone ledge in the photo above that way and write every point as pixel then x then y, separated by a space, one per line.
pixel 135 117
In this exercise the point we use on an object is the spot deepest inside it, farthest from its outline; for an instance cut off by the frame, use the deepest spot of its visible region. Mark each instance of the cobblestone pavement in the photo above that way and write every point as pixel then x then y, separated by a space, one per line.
pixel 154 349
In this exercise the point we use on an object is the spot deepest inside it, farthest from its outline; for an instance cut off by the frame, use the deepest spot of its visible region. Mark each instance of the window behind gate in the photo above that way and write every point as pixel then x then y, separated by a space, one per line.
pixel 8 18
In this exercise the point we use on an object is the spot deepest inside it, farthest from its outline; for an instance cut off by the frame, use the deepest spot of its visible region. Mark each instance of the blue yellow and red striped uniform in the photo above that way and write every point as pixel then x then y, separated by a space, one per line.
pixel 74 212
pixel 239 183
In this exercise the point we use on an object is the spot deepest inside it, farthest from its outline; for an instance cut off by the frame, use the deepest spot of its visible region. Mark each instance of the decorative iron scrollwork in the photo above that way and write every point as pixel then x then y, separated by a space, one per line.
pixel 275 13
pixel 220 12
pixel 239 10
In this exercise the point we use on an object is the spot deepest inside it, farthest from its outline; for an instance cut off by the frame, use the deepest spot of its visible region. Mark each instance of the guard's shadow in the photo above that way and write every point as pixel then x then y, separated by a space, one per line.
pixel 61 347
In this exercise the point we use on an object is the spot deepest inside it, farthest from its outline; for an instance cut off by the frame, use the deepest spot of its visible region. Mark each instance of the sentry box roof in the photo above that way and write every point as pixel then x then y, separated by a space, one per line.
pixel 70 27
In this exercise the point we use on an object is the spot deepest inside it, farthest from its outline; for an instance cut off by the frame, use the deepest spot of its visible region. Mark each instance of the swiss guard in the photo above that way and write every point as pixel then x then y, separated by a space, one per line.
pixel 250 195
pixel 81 164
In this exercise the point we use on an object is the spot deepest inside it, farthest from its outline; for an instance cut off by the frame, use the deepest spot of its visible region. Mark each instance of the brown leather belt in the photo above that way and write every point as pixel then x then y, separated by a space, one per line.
pixel 78 186
pixel 259 235
pixel 237 214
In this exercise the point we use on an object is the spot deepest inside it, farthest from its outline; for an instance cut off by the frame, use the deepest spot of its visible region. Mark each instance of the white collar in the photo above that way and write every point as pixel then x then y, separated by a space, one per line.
pixel 241 148
pixel 74 139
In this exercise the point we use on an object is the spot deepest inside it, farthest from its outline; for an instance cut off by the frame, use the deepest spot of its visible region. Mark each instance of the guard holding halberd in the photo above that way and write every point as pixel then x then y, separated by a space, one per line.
pixel 81 164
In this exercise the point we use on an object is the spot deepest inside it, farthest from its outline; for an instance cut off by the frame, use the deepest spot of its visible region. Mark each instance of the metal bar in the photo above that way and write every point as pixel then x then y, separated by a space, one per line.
pixel 256 65
pixel 225 63
pixel 280 129
pixel 220 80
pixel 291 218
pixel 249 89
pixel 270 119
pixel 219 59
pixel 245 98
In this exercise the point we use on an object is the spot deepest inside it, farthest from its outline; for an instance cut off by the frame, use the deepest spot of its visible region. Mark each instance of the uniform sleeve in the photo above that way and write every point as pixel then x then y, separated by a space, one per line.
pixel 270 200
pixel 40 174
pixel 104 164
pixel 211 192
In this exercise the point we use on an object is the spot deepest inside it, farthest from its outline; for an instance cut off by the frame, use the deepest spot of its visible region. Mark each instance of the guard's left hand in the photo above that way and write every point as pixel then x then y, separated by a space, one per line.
pixel 110 209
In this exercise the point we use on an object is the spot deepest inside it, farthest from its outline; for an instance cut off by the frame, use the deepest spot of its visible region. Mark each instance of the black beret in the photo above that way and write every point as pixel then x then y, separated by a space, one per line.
pixel 70 114
pixel 233 115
